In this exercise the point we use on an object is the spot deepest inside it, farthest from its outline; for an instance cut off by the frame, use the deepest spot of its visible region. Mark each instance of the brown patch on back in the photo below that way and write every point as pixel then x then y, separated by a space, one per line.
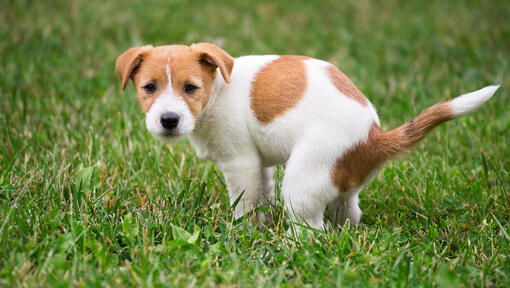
pixel 355 165
pixel 278 87
pixel 345 85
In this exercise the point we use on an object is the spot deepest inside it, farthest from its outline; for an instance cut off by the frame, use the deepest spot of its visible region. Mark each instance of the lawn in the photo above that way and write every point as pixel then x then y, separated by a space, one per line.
pixel 89 198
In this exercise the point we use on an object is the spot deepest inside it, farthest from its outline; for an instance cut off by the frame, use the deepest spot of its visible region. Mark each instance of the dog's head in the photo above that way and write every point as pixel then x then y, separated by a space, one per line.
pixel 173 83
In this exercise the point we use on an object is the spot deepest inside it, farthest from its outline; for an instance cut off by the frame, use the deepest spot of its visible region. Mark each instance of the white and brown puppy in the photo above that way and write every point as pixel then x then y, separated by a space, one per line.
pixel 260 111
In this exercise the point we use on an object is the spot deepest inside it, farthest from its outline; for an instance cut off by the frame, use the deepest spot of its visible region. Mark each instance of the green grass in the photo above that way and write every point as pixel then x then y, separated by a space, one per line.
pixel 89 198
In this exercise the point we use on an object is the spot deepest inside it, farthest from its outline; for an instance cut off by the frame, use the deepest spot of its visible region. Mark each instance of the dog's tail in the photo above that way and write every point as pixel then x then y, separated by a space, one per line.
pixel 405 137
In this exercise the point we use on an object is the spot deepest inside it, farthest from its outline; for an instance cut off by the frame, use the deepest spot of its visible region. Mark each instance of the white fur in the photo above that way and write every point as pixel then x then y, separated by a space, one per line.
pixel 466 103
pixel 169 101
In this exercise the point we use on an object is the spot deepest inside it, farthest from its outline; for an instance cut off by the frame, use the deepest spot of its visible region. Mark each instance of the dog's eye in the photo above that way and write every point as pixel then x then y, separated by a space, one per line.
pixel 150 88
pixel 190 88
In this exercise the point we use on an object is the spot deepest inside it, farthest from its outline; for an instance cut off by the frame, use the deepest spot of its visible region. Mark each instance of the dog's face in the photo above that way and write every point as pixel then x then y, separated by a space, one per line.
pixel 173 83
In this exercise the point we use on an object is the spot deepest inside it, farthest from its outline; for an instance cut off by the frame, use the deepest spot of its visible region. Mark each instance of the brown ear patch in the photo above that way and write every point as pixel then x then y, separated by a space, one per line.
pixel 216 57
pixel 355 165
pixel 128 61
pixel 278 87
pixel 345 85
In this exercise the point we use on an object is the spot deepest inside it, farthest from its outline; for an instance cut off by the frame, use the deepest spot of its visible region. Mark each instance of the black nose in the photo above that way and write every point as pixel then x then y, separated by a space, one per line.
pixel 169 120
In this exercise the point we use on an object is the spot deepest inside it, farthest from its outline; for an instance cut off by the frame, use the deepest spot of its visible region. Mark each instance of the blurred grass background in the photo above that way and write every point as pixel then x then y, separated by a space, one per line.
pixel 89 198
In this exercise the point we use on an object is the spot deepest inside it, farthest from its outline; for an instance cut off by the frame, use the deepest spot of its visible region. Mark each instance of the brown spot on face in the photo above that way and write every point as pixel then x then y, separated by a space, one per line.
pixel 186 68
pixel 278 87
pixel 195 65
pixel 152 69
pixel 345 85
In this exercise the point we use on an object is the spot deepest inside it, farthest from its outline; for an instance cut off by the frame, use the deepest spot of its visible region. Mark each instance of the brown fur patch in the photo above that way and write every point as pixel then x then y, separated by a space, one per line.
pixel 215 57
pixel 345 85
pixel 278 87
pixel 151 69
pixel 127 63
pixel 354 166
pixel 185 67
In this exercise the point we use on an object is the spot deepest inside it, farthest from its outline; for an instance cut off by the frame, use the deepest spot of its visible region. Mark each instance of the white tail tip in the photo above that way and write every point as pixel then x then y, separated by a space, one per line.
pixel 466 103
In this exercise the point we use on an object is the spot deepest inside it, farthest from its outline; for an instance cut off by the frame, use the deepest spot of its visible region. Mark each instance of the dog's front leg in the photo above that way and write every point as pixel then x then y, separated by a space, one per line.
pixel 245 182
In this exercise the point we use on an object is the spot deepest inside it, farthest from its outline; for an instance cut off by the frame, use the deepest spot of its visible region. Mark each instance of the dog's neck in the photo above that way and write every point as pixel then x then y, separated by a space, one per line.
pixel 201 134
pixel 216 89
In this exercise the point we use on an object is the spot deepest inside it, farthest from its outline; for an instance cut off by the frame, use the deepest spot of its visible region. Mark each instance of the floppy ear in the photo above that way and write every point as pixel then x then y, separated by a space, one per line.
pixel 214 56
pixel 128 62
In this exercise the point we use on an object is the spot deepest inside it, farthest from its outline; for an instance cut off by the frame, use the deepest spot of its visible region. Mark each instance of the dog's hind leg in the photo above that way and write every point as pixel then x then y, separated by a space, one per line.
pixel 267 197
pixel 344 207
pixel 307 186
pixel 268 182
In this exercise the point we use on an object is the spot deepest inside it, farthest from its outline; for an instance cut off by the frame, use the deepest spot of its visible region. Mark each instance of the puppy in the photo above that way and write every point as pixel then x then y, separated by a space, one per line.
pixel 260 111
